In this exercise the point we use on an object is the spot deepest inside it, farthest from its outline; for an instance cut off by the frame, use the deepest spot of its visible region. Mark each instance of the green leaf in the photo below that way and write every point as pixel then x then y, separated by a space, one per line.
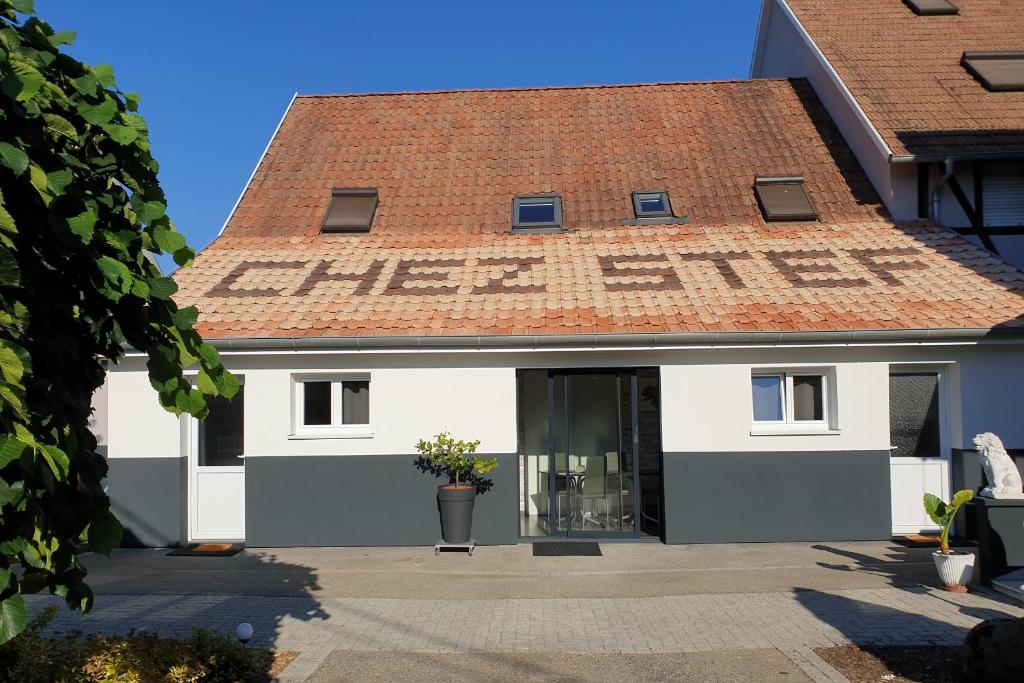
pixel 961 497
pixel 37 176
pixel 10 449
pixel 56 459
pixel 205 384
pixel 10 273
pixel 935 508
pixel 83 225
pixel 24 6
pixel 131 100
pixel 13 617
pixel 209 354
pixel 63 38
pixel 185 318
pixel 189 401
pixel 58 180
pixel 104 74
pixel 60 125
pixel 104 534
pixel 10 495
pixel 10 365
pixel 115 272
pixel 98 114
pixel 122 135
pixel 150 211
pixel 227 384
pixel 13 158
pixel 6 219
pixel 167 239
pixel 162 287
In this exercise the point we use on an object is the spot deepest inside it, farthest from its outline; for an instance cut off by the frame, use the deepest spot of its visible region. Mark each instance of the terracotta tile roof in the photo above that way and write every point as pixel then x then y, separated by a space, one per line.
pixel 440 258
pixel 904 70
pixel 867 275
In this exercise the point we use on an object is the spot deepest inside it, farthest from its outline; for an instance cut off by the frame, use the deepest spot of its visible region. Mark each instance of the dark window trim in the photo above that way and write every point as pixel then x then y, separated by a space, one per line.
pixel 968 59
pixel 809 217
pixel 537 226
pixel 351 192
pixel 640 213
pixel 921 11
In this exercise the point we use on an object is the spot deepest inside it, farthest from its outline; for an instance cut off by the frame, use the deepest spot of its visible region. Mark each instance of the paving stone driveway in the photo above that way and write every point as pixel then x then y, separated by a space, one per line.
pixel 384 615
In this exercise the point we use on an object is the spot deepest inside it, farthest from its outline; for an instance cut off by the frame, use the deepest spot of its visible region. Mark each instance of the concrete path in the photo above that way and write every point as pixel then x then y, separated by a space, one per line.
pixel 739 612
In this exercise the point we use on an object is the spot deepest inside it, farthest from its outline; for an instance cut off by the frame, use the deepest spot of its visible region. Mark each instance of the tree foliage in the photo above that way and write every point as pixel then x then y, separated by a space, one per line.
pixel 82 216
pixel 455 457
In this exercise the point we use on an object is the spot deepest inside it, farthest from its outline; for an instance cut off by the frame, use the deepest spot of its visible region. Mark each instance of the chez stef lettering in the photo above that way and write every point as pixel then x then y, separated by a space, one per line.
pixel 430 277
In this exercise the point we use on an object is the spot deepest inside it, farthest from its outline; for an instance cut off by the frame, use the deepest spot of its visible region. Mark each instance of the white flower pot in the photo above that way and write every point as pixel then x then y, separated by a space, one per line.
pixel 955 570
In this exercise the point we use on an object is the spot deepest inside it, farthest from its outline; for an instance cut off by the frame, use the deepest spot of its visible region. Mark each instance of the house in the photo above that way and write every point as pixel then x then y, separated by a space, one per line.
pixel 676 311
pixel 929 94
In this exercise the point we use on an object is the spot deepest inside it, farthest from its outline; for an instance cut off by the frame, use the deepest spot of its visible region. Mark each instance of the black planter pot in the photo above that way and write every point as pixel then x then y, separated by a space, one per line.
pixel 456 507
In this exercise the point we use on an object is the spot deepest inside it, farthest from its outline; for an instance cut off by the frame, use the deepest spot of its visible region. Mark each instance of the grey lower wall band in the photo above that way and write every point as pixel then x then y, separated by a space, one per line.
pixel 148 496
pixel 364 500
pixel 777 496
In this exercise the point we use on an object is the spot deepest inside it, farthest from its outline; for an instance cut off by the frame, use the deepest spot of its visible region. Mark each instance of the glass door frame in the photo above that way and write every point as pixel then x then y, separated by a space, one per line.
pixel 555 530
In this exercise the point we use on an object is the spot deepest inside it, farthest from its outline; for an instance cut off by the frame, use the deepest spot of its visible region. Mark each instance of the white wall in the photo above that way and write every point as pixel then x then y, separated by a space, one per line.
pixel 706 404
pixel 138 427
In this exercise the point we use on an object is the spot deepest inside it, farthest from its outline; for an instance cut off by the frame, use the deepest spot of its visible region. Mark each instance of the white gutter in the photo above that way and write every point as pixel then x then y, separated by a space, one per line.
pixel 257 166
pixel 847 95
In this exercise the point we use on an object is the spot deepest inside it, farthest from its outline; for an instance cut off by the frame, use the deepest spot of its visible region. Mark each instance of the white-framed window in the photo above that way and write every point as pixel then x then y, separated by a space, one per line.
pixel 791 399
pixel 331 406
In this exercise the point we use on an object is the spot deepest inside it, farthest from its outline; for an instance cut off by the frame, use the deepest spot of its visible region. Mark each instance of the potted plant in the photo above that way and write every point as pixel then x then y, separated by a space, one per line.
pixel 955 568
pixel 457 459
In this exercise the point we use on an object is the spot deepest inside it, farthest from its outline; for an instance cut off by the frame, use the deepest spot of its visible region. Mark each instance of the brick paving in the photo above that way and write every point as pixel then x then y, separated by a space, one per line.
pixel 785 620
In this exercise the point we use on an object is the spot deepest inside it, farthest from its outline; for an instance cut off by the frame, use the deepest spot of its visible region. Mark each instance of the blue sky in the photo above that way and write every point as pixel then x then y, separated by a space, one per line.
pixel 215 77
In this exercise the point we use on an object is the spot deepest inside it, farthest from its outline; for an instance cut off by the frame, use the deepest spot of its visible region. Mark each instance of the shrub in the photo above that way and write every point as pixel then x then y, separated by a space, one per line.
pixel 206 657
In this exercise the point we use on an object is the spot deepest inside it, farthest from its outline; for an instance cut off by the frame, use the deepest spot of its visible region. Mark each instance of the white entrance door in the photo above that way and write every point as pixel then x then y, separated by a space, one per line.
pixel 217 472
pixel 920 456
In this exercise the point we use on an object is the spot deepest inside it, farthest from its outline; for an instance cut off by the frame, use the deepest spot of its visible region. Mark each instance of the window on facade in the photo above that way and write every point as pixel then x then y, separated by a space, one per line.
pixel 784 199
pixel 351 210
pixel 1002 194
pixel 324 404
pixel 914 414
pixel 785 397
pixel 536 212
pixel 221 434
pixel 997 71
pixel 653 204
pixel 927 8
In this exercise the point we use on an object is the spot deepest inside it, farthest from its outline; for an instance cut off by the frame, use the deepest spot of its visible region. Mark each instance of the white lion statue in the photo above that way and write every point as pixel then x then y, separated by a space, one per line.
pixel 1002 475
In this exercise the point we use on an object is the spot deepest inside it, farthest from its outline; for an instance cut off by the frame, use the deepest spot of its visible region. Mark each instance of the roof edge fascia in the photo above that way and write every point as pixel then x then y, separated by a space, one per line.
pixel 876 137
pixel 616 341
pixel 245 188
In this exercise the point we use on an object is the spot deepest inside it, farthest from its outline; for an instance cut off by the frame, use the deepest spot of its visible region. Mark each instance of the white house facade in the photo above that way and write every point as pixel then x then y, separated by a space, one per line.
pixel 672 311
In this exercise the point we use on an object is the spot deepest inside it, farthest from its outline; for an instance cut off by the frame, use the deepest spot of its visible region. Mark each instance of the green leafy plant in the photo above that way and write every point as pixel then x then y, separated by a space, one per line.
pixel 82 217
pixel 454 456
pixel 943 513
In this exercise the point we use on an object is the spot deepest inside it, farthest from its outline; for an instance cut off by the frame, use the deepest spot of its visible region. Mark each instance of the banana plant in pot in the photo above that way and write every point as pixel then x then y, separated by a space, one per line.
pixel 457 459
pixel 955 568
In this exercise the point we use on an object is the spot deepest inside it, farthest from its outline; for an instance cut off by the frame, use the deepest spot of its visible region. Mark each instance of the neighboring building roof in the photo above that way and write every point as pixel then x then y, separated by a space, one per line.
pixel 440 258
pixel 904 71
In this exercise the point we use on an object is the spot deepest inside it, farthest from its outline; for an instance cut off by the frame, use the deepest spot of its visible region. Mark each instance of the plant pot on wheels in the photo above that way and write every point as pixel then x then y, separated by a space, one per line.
pixel 455 503
pixel 955 570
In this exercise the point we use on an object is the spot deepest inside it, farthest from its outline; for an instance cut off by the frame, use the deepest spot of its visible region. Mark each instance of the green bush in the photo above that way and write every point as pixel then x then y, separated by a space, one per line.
pixel 206 657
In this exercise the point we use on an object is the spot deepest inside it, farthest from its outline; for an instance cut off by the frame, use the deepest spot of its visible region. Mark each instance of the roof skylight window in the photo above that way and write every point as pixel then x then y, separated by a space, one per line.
pixel 997 71
pixel 651 204
pixel 784 199
pixel 351 210
pixel 536 213
pixel 932 8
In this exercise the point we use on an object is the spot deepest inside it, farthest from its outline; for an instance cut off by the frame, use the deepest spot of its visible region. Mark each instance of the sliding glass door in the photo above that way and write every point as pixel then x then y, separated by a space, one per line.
pixel 579 454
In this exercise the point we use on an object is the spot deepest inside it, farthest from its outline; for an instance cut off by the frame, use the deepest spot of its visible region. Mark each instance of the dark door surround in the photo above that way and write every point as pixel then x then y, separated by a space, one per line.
pixel 556 532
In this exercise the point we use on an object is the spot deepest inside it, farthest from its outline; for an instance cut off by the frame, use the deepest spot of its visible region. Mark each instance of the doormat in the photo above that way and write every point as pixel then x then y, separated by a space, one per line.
pixel 553 549
pixel 207 550
pixel 930 541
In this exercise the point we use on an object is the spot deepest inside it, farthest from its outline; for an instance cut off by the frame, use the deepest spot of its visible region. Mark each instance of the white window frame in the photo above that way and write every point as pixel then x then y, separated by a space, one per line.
pixel 788 424
pixel 335 430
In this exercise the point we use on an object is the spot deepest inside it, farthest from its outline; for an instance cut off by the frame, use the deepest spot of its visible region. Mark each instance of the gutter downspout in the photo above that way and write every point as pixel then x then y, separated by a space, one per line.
pixel 936 200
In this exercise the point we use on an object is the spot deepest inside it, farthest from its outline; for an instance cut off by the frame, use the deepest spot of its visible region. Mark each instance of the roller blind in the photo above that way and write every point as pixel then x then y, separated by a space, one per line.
pixel 1003 194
